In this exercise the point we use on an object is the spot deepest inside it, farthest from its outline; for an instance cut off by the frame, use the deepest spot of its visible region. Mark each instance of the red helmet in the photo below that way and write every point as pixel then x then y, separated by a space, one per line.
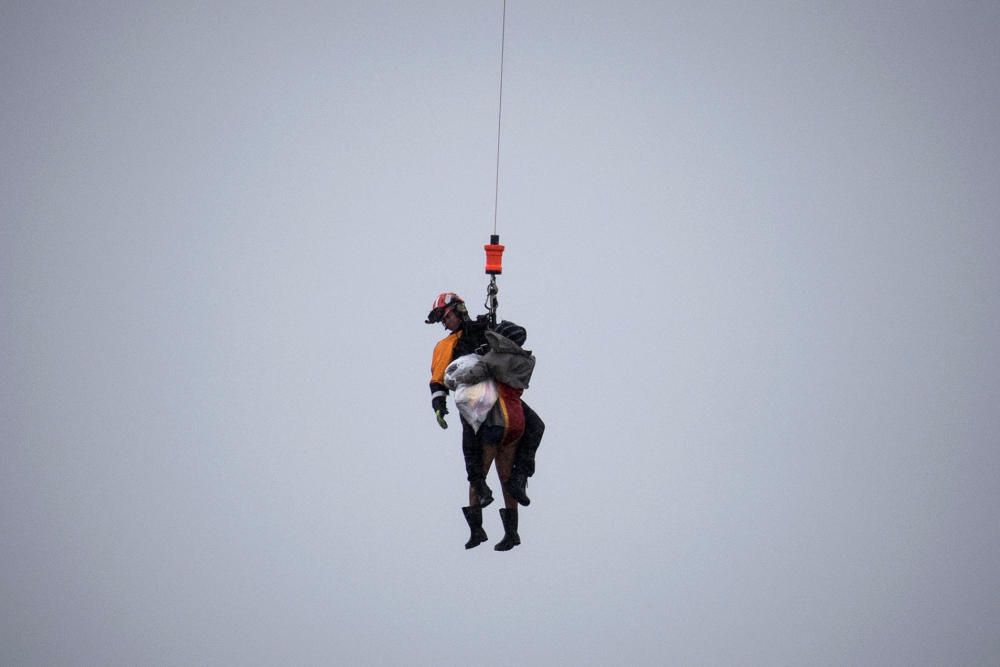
pixel 444 302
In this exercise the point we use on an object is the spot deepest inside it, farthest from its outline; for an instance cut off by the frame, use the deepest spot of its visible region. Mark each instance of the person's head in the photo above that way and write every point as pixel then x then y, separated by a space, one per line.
pixel 449 310
pixel 452 319
pixel 514 332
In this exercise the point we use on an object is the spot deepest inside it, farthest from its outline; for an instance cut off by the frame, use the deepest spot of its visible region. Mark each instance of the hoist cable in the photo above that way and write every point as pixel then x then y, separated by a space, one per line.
pixel 496 190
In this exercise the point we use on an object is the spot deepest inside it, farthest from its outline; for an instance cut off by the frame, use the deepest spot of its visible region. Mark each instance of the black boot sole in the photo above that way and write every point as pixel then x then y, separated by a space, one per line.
pixel 486 499
pixel 519 493
pixel 475 542
pixel 505 545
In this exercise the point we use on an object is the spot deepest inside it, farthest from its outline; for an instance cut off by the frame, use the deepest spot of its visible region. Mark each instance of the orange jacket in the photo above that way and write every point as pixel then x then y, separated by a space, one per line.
pixel 443 355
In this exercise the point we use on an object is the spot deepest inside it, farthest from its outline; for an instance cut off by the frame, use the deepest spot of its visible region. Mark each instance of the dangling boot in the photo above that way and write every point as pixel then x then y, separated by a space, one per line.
pixel 484 494
pixel 516 486
pixel 474 517
pixel 510 536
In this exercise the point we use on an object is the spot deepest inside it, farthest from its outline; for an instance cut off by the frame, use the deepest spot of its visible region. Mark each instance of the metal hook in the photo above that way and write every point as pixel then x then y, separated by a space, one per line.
pixel 491 299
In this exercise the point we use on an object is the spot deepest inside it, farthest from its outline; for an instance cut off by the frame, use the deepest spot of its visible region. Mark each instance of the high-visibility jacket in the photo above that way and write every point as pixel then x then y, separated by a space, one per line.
pixel 449 348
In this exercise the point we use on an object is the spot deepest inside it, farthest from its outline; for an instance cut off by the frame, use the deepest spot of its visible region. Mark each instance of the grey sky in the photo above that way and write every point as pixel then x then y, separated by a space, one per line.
pixel 755 247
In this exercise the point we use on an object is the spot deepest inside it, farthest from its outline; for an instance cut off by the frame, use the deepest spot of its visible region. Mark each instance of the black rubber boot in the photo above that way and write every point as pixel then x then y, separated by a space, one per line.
pixel 516 486
pixel 510 536
pixel 474 517
pixel 483 492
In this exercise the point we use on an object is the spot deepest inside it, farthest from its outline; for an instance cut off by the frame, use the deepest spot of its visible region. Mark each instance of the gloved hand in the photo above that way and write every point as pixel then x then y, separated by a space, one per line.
pixel 440 410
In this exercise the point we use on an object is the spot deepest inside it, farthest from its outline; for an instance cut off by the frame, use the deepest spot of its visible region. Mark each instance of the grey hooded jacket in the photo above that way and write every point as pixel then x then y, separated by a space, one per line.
pixel 508 362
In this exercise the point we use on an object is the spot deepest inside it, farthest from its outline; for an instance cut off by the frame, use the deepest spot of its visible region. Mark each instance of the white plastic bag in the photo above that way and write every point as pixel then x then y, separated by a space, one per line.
pixel 467 369
pixel 475 401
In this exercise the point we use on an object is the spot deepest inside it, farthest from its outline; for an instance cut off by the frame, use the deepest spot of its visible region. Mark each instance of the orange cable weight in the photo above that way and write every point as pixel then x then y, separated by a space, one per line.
pixel 494 256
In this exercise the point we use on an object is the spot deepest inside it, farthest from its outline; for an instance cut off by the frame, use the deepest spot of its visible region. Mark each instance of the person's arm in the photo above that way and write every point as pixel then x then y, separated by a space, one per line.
pixel 443 352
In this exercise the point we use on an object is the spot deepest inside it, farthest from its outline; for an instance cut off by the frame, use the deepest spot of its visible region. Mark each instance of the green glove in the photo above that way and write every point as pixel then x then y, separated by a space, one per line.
pixel 440 410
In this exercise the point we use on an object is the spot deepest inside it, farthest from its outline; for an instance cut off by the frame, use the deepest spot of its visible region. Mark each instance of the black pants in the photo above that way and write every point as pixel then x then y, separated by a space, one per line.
pixel 534 428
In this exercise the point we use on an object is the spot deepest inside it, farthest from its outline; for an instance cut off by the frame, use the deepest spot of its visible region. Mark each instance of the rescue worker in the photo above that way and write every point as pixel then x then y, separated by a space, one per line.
pixel 508 423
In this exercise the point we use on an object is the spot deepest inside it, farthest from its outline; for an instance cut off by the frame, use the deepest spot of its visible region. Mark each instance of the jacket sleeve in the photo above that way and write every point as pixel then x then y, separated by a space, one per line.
pixel 443 353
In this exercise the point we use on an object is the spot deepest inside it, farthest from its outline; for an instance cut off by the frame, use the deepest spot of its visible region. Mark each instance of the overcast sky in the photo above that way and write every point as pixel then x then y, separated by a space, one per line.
pixel 755 247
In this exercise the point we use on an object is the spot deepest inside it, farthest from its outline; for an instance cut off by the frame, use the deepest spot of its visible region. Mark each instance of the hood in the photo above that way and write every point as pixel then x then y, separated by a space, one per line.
pixel 503 345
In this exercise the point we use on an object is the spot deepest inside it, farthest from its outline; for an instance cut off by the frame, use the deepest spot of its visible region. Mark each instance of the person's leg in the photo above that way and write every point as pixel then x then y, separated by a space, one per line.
pixel 506 452
pixel 505 463
pixel 472 450
pixel 489 453
pixel 524 459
